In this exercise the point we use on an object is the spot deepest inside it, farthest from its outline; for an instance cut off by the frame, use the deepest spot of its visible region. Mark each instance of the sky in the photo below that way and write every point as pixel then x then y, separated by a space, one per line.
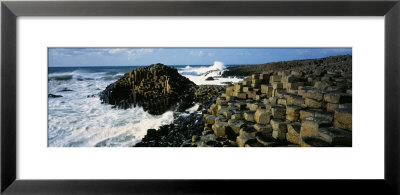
pixel 66 57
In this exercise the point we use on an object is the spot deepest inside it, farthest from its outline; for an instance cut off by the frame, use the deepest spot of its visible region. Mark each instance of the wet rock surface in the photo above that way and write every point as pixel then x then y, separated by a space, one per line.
pixel 206 93
pixel 183 129
pixel 65 90
pixel 54 96
pixel 209 79
pixel 187 128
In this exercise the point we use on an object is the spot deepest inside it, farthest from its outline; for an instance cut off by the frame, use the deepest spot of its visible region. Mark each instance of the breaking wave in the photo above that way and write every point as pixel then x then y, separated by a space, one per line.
pixel 200 74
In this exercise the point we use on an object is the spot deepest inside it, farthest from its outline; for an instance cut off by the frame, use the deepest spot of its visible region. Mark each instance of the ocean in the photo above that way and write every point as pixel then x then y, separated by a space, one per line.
pixel 78 119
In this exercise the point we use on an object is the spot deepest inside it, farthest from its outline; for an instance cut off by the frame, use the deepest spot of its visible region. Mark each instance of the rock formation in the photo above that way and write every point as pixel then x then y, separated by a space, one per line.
pixel 54 96
pixel 157 88
pixel 205 93
pixel 300 107
pixel 305 103
pixel 332 63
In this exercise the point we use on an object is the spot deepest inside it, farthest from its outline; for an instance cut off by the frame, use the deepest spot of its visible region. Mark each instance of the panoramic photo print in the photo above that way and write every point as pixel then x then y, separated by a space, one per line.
pixel 199 97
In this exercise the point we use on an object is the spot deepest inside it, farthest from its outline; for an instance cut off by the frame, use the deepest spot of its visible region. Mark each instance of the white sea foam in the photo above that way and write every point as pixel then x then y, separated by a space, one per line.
pixel 192 109
pixel 199 74
pixel 76 120
pixel 217 68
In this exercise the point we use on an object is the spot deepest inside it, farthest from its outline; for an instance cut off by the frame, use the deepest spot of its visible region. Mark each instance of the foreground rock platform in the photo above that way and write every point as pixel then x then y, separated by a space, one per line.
pixel 307 107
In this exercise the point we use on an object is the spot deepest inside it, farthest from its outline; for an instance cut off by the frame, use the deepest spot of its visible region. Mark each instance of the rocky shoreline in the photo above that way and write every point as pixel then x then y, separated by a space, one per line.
pixel 327 64
pixel 307 106
pixel 186 126
pixel 156 88
pixel 305 103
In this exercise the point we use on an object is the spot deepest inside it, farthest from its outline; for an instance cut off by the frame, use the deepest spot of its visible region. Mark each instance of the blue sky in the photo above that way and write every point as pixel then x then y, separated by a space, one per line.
pixel 64 57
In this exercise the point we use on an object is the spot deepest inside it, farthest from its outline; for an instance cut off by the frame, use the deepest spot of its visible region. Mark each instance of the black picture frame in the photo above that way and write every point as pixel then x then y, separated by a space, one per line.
pixel 10 10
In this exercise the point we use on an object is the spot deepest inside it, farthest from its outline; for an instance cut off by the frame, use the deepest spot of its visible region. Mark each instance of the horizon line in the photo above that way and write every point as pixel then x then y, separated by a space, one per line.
pixel 200 64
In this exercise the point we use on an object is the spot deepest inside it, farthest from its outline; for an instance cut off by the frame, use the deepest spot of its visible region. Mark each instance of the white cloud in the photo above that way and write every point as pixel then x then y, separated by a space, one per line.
pixel 129 52
pixel 196 53
pixel 113 51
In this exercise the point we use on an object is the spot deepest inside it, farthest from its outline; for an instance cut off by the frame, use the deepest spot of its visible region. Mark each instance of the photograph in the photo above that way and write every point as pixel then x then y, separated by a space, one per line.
pixel 199 97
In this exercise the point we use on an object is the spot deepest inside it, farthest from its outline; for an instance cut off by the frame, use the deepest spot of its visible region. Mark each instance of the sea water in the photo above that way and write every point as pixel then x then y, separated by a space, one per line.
pixel 79 119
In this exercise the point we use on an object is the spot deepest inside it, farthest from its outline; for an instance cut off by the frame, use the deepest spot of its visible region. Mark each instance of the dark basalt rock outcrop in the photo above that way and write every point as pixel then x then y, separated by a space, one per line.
pixel 205 93
pixel 209 79
pixel 183 128
pixel 54 96
pixel 65 89
pixel 157 88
